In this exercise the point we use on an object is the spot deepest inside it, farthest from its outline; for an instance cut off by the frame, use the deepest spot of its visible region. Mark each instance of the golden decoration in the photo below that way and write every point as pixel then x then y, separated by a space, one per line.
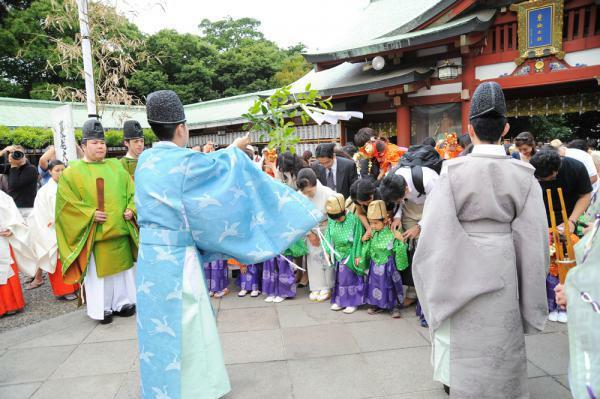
pixel 555 47
pixel 539 66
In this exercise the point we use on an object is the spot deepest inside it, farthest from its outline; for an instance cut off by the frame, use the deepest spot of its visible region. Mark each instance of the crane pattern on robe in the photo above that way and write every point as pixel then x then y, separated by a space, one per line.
pixel 196 208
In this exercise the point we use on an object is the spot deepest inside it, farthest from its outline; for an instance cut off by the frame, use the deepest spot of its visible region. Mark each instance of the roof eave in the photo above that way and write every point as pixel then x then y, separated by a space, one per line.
pixel 473 25
pixel 411 77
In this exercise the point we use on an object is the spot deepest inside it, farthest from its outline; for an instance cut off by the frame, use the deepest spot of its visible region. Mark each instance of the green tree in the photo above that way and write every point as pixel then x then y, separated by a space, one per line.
pixel 8 5
pixel 292 68
pixel 247 68
pixel 183 63
pixel 229 33
pixel 26 49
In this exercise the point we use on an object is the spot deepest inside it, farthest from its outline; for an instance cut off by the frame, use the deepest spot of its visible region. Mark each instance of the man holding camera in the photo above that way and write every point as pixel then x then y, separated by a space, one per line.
pixel 22 178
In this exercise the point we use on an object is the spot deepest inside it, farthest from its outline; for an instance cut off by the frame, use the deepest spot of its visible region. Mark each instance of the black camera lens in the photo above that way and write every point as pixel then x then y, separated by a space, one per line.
pixel 17 155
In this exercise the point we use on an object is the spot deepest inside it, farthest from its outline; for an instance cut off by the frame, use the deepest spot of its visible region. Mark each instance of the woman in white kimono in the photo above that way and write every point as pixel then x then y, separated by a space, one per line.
pixel 14 256
pixel 321 276
pixel 42 237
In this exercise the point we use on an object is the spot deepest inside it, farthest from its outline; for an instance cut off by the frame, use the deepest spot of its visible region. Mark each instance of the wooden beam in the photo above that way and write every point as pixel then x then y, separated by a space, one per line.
pixel 432 100
pixel 378 106
pixel 548 78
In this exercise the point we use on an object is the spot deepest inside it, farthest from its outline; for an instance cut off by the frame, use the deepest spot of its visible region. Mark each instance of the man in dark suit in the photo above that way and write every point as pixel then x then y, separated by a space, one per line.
pixel 334 172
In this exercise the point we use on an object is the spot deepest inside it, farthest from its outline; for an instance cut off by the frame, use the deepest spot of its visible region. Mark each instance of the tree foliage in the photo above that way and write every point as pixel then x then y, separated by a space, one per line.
pixel 230 33
pixel 183 63
pixel 275 117
pixel 117 48
pixel 40 56
pixel 39 138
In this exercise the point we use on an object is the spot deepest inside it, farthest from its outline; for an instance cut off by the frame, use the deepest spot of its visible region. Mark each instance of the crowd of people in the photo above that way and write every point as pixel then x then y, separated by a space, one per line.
pixel 454 227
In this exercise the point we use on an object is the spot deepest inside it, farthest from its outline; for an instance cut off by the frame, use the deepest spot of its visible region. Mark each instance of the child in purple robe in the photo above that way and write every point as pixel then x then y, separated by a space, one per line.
pixel 386 255
pixel 343 233
pixel 217 278
pixel 278 277
pixel 250 280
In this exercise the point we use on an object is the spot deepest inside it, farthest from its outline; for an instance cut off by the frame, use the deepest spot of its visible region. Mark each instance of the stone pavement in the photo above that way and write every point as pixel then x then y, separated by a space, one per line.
pixel 295 349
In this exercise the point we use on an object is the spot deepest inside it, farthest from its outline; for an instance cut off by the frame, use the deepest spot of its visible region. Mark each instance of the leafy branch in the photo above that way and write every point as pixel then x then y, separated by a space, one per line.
pixel 275 117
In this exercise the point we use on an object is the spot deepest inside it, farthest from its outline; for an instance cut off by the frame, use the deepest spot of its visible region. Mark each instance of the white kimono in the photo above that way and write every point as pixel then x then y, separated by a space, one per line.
pixel 42 234
pixel 11 219
pixel 320 275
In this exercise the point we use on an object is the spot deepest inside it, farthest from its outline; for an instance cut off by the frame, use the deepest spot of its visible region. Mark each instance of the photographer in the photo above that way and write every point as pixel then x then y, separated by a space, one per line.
pixel 22 177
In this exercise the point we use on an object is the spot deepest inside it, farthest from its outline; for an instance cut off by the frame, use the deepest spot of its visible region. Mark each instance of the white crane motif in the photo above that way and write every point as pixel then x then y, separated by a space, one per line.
pixel 177 293
pixel 230 231
pixel 162 327
pixel 258 219
pixel 164 255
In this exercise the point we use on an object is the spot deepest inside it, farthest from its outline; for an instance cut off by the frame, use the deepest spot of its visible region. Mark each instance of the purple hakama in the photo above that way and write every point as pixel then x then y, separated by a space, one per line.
pixel 216 275
pixel 384 285
pixel 349 288
pixel 551 283
pixel 278 278
pixel 251 280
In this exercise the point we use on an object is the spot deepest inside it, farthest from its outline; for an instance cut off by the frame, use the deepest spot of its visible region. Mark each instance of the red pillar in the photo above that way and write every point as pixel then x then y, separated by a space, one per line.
pixel 403 125
pixel 468 82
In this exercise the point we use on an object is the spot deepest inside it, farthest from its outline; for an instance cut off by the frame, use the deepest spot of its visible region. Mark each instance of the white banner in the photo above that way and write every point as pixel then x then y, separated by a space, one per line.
pixel 64 134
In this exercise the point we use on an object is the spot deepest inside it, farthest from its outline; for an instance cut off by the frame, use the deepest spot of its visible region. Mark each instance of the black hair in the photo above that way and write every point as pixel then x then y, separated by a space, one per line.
pixel 307 155
pixel 526 138
pixel 363 189
pixel 429 141
pixel 467 150
pixel 164 131
pixel 380 146
pixel 545 162
pixel 579 144
pixel 363 136
pixel 306 178
pixel 325 150
pixel 350 149
pixel 592 144
pixel 341 153
pixel 288 162
pixel 249 153
pixel 393 187
pixel 336 215
pixel 489 128
pixel 364 167
pixel 464 140
pixel 54 163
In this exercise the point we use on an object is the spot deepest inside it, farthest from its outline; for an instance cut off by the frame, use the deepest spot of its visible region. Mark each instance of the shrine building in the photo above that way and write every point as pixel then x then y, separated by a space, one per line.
pixel 412 66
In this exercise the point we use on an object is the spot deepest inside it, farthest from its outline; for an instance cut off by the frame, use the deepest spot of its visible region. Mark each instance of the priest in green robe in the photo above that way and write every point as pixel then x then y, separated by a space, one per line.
pixel 95 227
pixel 133 138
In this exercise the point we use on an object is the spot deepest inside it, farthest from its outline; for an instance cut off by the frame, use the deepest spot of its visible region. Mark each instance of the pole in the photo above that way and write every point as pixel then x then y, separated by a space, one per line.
pixel 88 68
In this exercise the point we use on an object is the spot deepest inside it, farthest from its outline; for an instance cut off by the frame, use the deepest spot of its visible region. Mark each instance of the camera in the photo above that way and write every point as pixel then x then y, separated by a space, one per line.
pixel 17 155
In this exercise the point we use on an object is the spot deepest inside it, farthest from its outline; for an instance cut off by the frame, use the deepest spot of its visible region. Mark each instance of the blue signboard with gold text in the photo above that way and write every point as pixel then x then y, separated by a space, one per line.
pixel 540 28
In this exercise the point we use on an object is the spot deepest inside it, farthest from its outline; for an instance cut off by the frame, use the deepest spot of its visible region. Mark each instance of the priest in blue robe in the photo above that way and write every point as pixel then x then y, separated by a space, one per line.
pixel 194 208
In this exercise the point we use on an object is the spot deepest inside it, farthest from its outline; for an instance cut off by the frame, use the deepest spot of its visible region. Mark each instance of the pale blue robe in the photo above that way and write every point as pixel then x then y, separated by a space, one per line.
pixel 192 207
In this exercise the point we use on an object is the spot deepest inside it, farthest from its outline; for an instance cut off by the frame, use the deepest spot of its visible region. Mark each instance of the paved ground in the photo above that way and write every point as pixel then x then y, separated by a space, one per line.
pixel 295 349
pixel 40 304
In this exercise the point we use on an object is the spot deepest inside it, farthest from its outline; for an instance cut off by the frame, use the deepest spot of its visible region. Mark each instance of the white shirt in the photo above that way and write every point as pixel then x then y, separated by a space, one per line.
pixel 430 178
pixel 489 149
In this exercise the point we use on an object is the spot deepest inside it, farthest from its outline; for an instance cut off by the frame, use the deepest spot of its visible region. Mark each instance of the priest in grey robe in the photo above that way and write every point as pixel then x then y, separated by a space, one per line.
pixel 481 263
